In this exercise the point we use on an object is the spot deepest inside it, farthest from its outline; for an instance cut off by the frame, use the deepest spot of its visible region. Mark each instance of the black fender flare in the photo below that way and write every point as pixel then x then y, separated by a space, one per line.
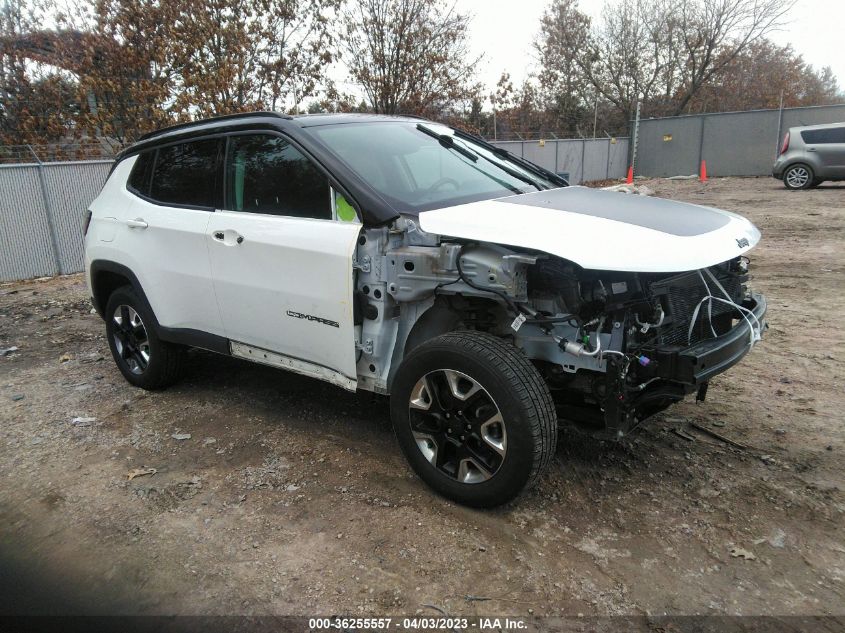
pixel 104 265
pixel 179 336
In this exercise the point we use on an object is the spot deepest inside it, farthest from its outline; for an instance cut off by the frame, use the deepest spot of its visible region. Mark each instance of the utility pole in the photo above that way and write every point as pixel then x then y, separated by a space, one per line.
pixel 595 116
pixel 780 125
pixel 636 137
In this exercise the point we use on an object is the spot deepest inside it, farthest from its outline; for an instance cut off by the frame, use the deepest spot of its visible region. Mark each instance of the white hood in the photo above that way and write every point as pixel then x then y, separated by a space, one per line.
pixel 602 230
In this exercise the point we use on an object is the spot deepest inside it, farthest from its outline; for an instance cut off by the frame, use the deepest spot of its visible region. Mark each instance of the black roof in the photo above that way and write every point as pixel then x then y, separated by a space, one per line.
pixel 210 123
pixel 337 118
pixel 277 119
pixel 374 209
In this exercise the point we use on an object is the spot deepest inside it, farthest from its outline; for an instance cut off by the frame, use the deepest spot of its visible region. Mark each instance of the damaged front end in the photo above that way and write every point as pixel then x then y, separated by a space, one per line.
pixel 614 347
pixel 618 332
pixel 628 345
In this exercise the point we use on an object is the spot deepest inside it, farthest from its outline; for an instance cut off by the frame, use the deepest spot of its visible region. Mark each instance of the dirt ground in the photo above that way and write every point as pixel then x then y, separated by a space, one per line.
pixel 291 496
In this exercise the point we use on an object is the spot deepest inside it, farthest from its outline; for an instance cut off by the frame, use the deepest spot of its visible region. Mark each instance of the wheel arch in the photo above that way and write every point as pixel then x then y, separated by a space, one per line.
pixel 430 320
pixel 106 277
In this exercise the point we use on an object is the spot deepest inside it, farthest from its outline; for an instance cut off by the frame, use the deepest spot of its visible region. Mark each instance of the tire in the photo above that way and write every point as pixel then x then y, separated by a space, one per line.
pixel 473 417
pixel 798 176
pixel 144 360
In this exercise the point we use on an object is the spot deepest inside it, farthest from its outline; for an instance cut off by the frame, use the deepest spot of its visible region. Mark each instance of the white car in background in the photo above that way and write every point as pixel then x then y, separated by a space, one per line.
pixel 399 256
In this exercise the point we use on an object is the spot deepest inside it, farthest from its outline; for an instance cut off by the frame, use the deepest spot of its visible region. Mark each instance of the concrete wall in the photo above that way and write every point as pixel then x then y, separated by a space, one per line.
pixel 732 143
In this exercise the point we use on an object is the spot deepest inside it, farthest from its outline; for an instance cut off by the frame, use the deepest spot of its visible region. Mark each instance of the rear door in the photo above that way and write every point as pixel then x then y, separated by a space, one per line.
pixel 282 262
pixel 176 189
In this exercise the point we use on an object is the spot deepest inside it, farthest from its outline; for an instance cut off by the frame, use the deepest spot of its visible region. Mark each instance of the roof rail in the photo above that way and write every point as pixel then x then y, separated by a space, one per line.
pixel 225 117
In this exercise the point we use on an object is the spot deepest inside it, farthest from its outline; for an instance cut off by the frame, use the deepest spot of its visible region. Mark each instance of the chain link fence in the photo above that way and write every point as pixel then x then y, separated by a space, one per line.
pixel 41 211
pixel 102 149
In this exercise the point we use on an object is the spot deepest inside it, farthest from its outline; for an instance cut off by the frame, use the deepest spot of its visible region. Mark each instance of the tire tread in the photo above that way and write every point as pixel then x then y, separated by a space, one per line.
pixel 170 365
pixel 523 377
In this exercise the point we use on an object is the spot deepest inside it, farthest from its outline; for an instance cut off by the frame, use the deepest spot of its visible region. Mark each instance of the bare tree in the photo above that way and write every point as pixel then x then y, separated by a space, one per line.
pixel 564 36
pixel 761 76
pixel 234 55
pixel 712 33
pixel 659 52
pixel 630 55
pixel 409 55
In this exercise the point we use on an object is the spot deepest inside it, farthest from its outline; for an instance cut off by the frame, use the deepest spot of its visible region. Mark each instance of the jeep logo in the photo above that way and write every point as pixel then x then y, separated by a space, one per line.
pixel 742 242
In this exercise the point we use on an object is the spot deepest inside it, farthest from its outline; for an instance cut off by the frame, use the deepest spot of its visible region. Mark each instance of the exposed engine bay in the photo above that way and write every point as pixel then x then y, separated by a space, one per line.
pixel 614 347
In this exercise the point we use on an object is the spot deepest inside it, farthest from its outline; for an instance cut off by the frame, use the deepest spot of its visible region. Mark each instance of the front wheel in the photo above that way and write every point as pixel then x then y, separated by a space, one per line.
pixel 473 417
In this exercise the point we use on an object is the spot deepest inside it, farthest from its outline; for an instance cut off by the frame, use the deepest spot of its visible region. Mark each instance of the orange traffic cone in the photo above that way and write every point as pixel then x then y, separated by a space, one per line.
pixel 630 179
pixel 702 176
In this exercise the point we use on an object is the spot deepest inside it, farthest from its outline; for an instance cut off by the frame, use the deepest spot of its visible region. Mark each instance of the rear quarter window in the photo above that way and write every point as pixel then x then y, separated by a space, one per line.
pixel 139 178
pixel 825 135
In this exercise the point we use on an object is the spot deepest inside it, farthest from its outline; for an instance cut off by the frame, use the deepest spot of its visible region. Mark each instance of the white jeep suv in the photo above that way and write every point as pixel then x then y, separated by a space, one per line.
pixel 400 256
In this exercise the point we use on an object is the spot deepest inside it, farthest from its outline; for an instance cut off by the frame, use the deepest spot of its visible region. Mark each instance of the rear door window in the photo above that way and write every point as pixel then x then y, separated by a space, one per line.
pixel 824 136
pixel 267 174
pixel 186 174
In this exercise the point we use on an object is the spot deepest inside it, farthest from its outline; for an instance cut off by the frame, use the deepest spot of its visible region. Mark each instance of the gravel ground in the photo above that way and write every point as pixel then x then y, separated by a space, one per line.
pixel 291 496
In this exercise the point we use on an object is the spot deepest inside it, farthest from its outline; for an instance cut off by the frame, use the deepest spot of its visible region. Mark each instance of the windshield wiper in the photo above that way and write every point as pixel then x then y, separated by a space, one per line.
pixel 447 141
pixel 511 172
pixel 506 155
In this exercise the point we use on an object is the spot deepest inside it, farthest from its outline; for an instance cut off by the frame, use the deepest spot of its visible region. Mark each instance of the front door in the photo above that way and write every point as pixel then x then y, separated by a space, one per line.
pixel 282 263
pixel 831 151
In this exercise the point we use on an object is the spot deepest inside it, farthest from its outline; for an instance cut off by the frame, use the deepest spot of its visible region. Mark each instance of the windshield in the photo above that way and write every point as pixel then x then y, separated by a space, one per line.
pixel 418 166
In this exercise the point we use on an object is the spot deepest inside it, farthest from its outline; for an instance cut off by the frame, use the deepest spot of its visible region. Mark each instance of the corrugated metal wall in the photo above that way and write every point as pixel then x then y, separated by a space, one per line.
pixel 41 211
pixel 582 159
pixel 732 143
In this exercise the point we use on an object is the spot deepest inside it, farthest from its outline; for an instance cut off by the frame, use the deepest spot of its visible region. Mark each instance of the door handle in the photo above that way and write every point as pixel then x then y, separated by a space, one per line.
pixel 137 223
pixel 811 149
pixel 220 236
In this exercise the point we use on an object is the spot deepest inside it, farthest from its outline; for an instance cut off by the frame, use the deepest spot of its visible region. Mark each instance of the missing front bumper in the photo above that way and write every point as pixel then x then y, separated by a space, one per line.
pixel 675 372
pixel 697 364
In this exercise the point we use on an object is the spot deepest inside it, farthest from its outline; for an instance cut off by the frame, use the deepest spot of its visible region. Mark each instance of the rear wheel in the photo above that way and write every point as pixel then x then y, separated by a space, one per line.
pixel 798 176
pixel 474 418
pixel 144 360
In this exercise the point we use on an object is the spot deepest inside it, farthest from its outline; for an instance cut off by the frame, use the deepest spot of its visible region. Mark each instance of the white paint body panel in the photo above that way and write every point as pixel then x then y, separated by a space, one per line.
pixel 286 264
pixel 594 242
pixel 169 257
pixel 238 291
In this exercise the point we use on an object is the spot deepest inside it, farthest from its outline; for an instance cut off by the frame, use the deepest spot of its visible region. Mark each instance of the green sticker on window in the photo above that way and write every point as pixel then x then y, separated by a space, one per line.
pixel 345 212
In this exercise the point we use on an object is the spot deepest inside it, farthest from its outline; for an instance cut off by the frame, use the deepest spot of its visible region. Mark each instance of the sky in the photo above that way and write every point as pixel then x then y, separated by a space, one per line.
pixel 504 30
